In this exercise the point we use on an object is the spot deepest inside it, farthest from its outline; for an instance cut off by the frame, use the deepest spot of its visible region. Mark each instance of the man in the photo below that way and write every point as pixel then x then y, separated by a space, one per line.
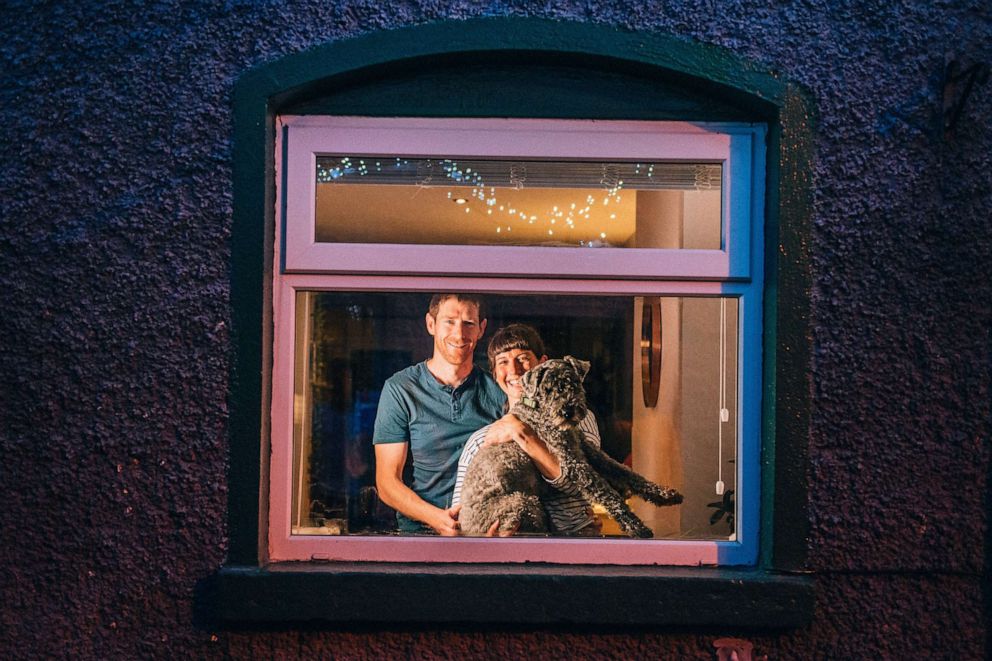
pixel 512 351
pixel 428 410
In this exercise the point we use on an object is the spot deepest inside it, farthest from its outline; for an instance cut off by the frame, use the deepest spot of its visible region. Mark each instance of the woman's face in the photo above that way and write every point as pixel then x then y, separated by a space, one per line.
pixel 510 367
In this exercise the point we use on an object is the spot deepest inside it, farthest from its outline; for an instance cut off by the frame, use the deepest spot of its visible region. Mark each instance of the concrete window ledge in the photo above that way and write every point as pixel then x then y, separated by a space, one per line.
pixel 346 594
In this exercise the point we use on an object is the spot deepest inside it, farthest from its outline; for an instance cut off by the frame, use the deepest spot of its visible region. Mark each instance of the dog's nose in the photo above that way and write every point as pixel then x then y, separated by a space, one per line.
pixel 568 412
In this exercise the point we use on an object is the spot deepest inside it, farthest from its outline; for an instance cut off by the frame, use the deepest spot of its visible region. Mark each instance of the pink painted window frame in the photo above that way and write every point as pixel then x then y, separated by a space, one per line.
pixel 696 280
pixel 308 137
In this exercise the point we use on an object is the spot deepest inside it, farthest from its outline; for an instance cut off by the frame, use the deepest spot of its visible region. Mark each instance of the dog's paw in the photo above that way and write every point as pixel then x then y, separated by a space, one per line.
pixel 641 532
pixel 661 496
pixel 634 527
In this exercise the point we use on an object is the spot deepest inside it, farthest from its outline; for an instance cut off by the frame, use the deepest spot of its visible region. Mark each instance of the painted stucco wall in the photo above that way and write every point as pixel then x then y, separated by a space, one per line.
pixel 115 217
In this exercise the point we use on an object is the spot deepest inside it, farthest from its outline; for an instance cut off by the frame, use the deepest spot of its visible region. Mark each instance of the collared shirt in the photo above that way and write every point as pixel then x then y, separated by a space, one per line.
pixel 435 420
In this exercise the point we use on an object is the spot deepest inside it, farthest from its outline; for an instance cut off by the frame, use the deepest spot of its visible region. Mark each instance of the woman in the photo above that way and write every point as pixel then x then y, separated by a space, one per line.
pixel 513 350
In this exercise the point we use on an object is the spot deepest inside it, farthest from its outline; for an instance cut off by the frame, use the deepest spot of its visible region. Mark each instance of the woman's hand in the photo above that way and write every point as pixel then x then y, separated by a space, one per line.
pixel 510 428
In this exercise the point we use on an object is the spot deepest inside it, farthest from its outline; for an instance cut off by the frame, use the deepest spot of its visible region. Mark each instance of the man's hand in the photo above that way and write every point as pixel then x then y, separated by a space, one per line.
pixel 446 522
pixel 389 461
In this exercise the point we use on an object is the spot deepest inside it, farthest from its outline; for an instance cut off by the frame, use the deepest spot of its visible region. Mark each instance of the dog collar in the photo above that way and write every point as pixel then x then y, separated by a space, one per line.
pixel 528 402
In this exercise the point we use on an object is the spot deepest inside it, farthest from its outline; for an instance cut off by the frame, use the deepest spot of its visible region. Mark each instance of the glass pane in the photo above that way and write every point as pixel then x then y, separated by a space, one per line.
pixel 365 199
pixel 349 343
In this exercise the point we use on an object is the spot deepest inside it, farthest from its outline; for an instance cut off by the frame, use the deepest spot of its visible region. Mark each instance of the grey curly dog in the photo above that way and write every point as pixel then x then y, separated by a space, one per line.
pixel 502 484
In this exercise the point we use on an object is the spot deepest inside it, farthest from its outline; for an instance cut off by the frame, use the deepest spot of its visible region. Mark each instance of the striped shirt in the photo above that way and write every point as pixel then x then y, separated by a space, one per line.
pixel 567 510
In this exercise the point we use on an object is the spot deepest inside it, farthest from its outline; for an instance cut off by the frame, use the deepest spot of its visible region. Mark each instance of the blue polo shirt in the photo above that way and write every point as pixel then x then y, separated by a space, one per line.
pixel 435 420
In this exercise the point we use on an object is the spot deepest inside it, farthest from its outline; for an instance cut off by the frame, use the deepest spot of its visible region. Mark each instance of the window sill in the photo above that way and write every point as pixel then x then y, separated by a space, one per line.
pixel 346 594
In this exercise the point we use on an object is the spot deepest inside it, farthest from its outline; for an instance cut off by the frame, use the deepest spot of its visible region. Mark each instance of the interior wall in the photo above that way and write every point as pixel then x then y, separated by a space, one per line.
pixel 702 219
pixel 700 415
pixel 656 441
pixel 657 438
pixel 675 442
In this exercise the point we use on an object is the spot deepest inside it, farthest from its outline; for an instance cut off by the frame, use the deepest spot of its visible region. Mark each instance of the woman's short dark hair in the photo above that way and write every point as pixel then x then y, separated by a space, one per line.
pixel 514 336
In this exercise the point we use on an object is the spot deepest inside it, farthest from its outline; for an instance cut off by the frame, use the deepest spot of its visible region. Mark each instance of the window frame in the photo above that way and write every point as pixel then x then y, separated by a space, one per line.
pixel 638 75
pixel 306 137
pixel 671 274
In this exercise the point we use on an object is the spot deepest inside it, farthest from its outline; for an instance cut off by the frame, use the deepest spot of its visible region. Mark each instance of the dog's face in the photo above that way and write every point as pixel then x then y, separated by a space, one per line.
pixel 554 389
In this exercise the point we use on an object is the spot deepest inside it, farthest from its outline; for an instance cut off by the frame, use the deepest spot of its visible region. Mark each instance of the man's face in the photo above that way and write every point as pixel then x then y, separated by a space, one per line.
pixel 510 367
pixel 456 331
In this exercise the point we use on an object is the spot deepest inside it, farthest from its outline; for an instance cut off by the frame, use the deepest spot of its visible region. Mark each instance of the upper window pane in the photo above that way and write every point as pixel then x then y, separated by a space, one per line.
pixel 571 204
pixel 505 197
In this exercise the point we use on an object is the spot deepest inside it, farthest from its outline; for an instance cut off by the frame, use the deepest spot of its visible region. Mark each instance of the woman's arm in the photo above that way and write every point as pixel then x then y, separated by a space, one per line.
pixel 510 428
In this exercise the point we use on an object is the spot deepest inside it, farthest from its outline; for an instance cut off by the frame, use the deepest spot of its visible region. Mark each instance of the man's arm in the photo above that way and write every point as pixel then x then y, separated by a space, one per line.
pixel 389 461
pixel 510 428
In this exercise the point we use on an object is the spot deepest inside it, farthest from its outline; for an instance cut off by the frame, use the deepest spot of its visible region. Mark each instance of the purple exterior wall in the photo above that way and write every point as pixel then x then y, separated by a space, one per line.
pixel 115 215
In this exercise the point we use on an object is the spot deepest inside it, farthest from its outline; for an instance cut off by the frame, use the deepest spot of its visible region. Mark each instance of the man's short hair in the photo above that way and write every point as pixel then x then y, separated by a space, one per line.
pixel 438 299
pixel 514 336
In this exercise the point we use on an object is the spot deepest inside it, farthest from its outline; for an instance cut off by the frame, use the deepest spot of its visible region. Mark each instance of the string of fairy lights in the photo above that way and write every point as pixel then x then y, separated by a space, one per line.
pixel 487 178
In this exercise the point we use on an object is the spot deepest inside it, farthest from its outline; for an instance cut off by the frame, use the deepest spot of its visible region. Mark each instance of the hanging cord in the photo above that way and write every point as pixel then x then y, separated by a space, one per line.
pixel 724 413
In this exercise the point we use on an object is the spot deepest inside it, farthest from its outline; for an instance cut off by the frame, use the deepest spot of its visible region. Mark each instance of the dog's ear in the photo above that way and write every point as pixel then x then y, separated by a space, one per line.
pixel 581 367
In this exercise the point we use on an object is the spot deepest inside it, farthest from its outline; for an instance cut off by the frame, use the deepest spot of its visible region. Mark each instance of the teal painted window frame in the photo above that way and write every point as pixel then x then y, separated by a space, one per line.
pixel 370 76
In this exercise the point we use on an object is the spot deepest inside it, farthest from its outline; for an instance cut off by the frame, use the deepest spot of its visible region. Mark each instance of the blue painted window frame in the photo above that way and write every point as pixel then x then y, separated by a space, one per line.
pixel 313 266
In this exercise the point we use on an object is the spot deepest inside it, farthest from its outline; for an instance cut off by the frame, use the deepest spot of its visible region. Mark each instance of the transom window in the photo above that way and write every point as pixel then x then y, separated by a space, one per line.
pixel 633 245
pixel 371 196
pixel 563 204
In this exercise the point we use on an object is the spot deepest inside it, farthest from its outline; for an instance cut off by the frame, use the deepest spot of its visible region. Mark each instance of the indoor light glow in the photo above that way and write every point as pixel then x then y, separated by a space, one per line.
pixel 479 185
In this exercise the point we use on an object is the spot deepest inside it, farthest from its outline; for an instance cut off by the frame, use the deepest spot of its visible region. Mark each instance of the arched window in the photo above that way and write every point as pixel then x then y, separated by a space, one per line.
pixel 573 187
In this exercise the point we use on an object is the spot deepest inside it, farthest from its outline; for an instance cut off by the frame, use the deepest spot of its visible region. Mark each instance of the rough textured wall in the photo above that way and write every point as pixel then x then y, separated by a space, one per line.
pixel 115 212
